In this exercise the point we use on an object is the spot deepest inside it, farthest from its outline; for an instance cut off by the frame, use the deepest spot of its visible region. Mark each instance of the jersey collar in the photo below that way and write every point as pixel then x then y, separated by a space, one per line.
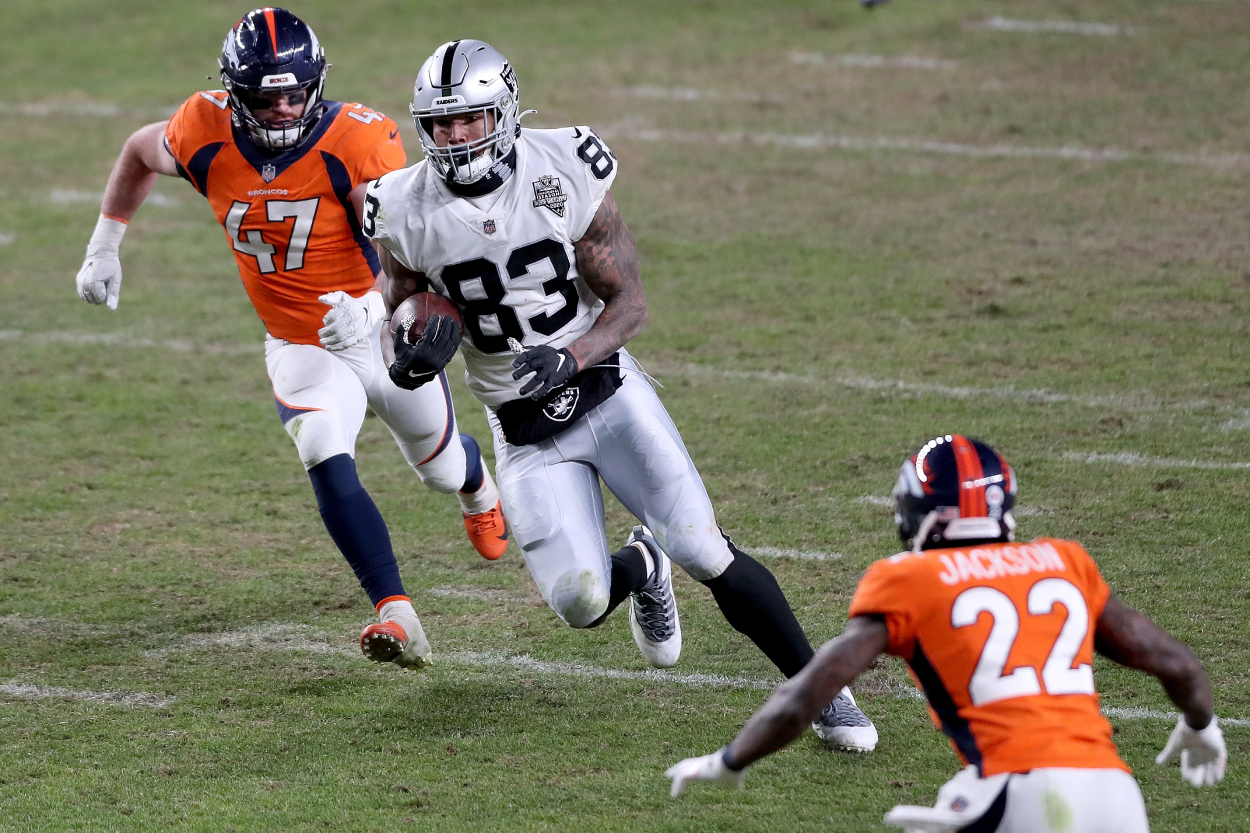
pixel 495 179
pixel 258 160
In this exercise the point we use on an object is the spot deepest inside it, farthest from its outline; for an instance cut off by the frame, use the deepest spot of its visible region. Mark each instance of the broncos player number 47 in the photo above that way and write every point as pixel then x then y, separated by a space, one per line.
pixel 278 164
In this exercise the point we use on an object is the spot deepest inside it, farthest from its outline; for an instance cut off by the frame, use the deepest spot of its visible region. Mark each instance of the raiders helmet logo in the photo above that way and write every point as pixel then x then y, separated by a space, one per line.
pixel 561 408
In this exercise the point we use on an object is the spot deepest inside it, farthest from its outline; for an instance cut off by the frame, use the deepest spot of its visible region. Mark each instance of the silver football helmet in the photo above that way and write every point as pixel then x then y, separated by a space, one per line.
pixel 461 77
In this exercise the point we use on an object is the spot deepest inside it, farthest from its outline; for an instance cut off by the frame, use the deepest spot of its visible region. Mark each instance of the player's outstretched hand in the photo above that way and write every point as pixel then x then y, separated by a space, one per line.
pixel 350 320
pixel 706 768
pixel 100 279
pixel 1203 753
pixel 552 369
pixel 416 364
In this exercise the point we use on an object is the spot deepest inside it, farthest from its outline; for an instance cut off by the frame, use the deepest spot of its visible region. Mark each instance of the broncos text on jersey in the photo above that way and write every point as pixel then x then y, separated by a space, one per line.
pixel 506 259
pixel 289 217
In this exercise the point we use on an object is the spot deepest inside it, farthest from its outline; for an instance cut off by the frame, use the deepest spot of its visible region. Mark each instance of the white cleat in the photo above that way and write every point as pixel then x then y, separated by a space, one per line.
pixel 843 726
pixel 653 609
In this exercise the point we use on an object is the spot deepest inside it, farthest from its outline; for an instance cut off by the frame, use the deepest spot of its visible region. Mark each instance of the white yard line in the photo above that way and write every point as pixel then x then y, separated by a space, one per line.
pixel 96 109
pixel 26 691
pixel 7 237
pixel 804 555
pixel 297 638
pixel 873 61
pixel 127 341
pixel 1140 460
pixel 824 141
pixel 60 196
pixel 1144 401
pixel 1062 27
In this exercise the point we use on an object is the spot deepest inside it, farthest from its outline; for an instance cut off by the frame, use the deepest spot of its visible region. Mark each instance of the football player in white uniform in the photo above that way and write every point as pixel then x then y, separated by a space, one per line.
pixel 518 229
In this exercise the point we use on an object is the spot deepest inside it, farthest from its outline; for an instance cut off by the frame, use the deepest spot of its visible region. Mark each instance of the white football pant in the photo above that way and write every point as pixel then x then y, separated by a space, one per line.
pixel 1047 800
pixel 551 496
pixel 322 398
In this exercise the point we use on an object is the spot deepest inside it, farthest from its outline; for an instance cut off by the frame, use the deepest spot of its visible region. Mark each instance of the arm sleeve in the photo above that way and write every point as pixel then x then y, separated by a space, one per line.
pixel 378 198
pixel 598 167
pixel 386 155
pixel 1093 586
pixel 187 127
pixel 884 591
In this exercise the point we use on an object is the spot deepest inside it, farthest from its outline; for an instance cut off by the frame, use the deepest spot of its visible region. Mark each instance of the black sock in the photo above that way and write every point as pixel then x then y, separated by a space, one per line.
pixel 356 525
pixel 754 605
pixel 629 573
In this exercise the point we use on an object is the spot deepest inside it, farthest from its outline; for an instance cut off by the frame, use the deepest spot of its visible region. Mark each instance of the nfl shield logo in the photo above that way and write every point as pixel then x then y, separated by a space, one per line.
pixel 488 226
pixel 268 172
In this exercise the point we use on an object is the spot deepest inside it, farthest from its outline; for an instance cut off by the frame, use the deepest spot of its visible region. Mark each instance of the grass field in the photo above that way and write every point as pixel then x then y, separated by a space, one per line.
pixel 857 229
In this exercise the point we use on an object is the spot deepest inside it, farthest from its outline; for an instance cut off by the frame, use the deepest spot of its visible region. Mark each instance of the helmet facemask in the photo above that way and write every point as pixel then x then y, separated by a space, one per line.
pixel 281 136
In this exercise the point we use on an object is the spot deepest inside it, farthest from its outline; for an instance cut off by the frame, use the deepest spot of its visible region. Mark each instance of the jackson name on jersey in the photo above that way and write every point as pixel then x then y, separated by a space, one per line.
pixel 505 259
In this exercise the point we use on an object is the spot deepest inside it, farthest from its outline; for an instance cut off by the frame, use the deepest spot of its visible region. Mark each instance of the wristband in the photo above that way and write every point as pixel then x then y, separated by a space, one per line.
pixel 107 236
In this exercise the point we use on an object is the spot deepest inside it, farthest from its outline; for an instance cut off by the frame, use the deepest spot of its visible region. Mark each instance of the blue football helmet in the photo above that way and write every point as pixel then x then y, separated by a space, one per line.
pixel 954 490
pixel 268 54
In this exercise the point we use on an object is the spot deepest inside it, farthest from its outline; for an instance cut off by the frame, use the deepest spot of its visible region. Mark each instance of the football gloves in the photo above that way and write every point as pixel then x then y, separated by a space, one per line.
pixel 1203 753
pixel 350 320
pixel 706 768
pixel 552 369
pixel 100 278
pixel 416 364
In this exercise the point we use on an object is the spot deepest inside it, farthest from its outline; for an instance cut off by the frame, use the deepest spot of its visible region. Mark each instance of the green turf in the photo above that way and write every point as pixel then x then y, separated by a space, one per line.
pixel 158 535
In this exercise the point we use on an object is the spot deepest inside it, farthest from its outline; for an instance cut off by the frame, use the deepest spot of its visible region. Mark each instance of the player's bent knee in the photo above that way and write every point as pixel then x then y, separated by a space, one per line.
pixel 702 552
pixel 318 436
pixel 440 477
pixel 579 598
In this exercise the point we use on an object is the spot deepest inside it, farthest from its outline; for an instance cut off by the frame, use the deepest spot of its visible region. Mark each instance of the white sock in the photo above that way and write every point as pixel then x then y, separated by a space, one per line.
pixel 402 612
pixel 484 499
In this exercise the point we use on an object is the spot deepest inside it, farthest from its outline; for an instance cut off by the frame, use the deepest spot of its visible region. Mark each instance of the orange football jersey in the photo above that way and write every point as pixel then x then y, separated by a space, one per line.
pixel 1001 639
pixel 289 218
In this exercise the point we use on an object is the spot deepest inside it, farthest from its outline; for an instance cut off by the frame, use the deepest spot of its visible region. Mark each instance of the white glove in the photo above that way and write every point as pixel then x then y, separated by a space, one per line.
pixel 100 278
pixel 350 320
pixel 707 768
pixel 1203 753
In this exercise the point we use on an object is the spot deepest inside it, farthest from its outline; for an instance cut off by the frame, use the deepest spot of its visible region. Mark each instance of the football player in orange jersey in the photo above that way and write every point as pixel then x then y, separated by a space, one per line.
pixel 278 164
pixel 1001 638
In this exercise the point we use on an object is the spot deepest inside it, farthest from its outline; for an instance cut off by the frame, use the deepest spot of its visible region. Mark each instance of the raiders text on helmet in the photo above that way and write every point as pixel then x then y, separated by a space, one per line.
pixel 463 77
pixel 954 489
pixel 271 53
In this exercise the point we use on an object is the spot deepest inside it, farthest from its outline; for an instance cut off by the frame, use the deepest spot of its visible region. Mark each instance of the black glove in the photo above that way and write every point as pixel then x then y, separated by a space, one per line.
pixel 552 369
pixel 416 364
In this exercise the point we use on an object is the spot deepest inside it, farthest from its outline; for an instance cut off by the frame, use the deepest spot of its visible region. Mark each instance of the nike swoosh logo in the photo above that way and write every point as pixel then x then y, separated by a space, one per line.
pixel 561 364
pixel 394 133
pixel 577 133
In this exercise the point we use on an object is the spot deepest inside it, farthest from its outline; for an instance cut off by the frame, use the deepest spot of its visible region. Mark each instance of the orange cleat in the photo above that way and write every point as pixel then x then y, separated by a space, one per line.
pixel 389 642
pixel 488 532
pixel 382 642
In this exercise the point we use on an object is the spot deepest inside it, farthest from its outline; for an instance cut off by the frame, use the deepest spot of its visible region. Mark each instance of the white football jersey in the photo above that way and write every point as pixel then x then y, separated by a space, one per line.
pixel 510 269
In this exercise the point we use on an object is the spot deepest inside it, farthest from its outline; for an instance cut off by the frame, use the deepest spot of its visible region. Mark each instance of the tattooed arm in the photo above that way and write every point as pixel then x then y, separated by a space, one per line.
pixel 608 262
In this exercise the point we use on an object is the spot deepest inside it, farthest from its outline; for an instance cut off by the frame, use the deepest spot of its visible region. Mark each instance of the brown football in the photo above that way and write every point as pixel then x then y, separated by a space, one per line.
pixel 416 310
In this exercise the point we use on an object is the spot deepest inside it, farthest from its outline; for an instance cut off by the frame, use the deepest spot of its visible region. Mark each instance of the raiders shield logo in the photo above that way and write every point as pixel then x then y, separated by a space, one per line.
pixel 561 408
pixel 488 226
pixel 268 172
pixel 547 194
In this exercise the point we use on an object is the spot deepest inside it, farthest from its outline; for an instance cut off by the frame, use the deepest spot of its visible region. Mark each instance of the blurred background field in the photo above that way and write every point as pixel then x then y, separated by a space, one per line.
pixel 1025 222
